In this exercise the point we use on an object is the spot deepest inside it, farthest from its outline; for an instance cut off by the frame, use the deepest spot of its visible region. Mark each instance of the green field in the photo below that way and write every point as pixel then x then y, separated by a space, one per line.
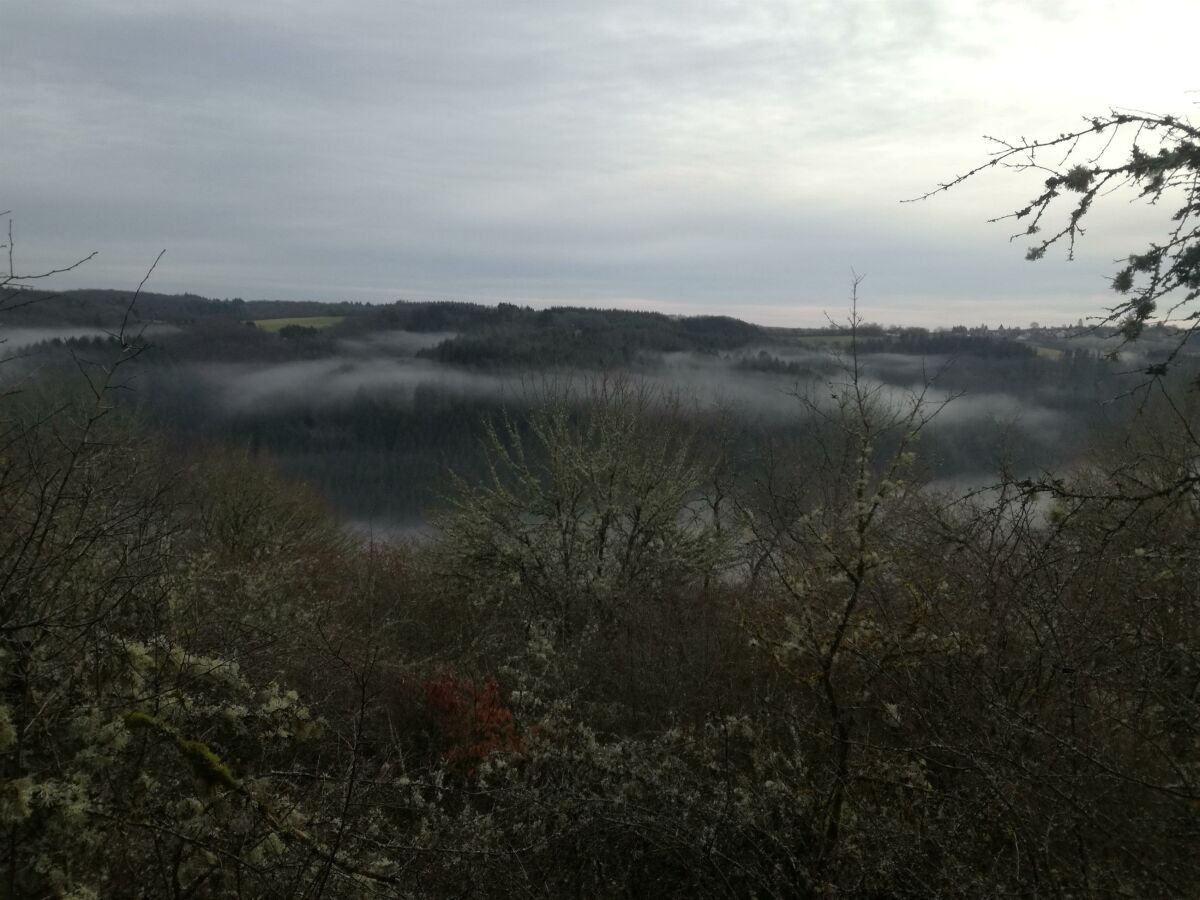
pixel 303 321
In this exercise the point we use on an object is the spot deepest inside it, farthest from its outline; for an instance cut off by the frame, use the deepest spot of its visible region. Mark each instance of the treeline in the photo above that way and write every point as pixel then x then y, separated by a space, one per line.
pixel 870 338
pixel 953 342
pixel 504 335
pixel 107 308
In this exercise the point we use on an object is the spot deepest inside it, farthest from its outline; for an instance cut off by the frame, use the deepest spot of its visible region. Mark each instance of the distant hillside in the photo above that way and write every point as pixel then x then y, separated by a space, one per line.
pixel 588 337
pixel 498 336
pixel 105 308
pixel 507 336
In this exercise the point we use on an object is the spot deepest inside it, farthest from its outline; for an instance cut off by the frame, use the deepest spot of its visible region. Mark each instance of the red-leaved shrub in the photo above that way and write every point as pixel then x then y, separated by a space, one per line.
pixel 471 719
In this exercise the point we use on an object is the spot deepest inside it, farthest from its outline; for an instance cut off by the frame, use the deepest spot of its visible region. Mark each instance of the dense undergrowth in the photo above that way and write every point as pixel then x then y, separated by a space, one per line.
pixel 634 662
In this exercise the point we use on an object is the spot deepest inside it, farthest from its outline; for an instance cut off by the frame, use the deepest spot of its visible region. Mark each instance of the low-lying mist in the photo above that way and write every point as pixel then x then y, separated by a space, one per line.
pixel 376 426
pixel 703 381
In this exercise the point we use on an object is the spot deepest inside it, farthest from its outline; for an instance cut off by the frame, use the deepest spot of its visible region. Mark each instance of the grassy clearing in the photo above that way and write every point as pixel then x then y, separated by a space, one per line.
pixel 304 321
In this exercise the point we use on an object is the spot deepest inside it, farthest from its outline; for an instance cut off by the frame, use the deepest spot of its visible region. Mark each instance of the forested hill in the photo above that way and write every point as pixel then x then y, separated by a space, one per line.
pixel 589 338
pixel 503 336
pixel 103 308
pixel 374 403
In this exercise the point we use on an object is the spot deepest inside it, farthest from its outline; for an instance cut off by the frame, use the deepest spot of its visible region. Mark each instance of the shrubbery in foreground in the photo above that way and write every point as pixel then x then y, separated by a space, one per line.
pixel 629 666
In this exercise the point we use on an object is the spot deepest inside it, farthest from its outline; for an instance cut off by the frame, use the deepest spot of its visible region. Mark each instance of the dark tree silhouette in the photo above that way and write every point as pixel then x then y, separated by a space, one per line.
pixel 1155 156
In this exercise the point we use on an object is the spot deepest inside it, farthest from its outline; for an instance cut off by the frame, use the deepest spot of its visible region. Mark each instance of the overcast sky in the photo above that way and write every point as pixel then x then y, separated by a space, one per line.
pixel 688 156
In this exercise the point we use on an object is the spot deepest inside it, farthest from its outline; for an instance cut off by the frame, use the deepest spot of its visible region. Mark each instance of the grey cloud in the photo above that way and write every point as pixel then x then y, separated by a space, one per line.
pixel 697 154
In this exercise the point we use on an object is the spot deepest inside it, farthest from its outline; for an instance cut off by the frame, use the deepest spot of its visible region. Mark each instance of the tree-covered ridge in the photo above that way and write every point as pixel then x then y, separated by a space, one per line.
pixel 105 308
pixel 489 336
pixel 589 338
pixel 502 335
pixel 375 404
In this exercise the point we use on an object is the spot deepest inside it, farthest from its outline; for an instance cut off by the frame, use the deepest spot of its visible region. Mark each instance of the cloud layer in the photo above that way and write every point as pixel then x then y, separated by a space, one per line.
pixel 690 157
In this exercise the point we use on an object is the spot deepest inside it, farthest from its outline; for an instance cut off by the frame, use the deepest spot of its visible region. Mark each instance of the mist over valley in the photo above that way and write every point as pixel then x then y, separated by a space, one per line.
pixel 375 405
